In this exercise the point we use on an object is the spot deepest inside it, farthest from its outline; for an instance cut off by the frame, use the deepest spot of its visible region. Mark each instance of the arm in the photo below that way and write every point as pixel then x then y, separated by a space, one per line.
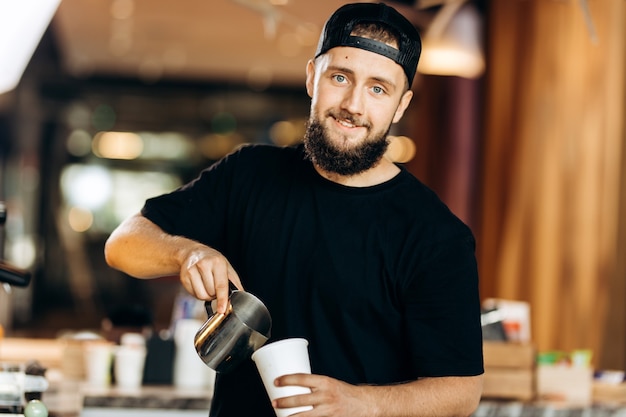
pixel 436 397
pixel 141 249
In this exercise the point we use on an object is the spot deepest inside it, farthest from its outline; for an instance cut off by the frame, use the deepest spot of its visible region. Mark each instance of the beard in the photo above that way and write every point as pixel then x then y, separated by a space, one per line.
pixel 345 161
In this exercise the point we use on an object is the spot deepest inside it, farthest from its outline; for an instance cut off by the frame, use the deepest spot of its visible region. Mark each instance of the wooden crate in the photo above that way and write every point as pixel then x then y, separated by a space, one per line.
pixel 607 393
pixel 509 371
pixel 65 355
pixel 508 355
pixel 48 352
pixel 570 384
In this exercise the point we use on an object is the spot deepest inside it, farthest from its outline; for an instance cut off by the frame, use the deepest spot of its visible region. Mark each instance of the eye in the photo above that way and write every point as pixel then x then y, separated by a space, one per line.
pixel 378 90
pixel 339 78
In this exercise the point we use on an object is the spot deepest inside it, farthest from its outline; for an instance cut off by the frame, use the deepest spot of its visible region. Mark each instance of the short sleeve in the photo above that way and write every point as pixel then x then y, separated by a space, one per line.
pixel 443 311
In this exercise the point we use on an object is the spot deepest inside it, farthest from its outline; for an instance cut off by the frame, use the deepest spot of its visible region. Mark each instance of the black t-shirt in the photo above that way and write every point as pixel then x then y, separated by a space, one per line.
pixel 382 280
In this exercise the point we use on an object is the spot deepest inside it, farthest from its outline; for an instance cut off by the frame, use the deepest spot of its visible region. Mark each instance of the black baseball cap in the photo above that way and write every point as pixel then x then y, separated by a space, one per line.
pixel 339 26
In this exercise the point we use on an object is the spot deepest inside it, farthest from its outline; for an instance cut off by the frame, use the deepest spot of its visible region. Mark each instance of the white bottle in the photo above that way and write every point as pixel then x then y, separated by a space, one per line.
pixel 189 370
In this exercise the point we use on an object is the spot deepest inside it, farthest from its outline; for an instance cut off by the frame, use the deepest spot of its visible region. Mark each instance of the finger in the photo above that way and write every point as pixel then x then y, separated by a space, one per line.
pixel 221 283
pixel 297 400
pixel 302 380
pixel 197 283
pixel 192 278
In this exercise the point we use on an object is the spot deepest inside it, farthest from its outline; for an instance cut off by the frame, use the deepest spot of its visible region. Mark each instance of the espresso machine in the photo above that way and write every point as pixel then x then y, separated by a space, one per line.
pixel 21 385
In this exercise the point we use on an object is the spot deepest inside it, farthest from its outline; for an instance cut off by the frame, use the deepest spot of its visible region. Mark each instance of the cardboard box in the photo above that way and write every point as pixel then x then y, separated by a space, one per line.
pixel 514 384
pixel 508 355
pixel 65 355
pixel 48 352
pixel 571 384
pixel 509 370
pixel 608 393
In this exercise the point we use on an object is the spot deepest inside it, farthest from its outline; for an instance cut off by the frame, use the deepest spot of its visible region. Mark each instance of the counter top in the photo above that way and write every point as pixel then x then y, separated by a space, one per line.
pixel 504 408
pixel 68 395
pixel 150 397
pixel 73 398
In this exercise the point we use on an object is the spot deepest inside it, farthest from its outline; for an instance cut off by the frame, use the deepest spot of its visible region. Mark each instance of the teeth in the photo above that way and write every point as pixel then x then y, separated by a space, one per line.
pixel 345 123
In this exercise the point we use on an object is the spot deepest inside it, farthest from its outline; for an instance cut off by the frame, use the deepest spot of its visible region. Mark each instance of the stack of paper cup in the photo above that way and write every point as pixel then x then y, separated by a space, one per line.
pixel 130 358
pixel 98 358
pixel 288 356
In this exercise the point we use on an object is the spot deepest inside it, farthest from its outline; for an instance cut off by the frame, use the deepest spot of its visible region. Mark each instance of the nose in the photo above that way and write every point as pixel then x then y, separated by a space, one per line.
pixel 353 101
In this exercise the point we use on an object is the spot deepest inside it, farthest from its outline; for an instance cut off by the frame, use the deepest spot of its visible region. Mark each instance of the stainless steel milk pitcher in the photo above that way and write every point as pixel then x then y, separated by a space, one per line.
pixel 225 340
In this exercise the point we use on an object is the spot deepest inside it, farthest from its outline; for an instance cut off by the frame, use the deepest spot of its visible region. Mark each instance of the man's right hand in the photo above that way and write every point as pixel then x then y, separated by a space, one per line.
pixel 205 273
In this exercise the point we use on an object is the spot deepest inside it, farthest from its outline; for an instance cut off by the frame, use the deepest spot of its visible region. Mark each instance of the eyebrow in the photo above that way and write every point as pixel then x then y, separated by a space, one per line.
pixel 382 80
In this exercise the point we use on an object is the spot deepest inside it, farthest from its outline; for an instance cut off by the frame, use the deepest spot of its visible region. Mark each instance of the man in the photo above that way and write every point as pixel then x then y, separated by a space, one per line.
pixel 345 248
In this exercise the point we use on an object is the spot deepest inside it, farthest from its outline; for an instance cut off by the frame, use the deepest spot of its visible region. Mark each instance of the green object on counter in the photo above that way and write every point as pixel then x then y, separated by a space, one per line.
pixel 35 408
pixel 579 357
pixel 550 358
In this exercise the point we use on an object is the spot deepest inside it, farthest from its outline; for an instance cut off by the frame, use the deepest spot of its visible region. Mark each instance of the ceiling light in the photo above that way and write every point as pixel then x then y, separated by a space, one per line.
pixel 453 43
pixel 117 145
pixel 22 24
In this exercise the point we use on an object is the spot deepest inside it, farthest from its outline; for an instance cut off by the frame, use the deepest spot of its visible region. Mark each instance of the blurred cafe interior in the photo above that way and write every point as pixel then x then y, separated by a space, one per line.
pixel 517 122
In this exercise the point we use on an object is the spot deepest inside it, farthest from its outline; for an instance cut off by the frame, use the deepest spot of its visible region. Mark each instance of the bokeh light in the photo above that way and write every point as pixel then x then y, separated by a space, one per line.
pixel 79 219
pixel 87 186
pixel 285 132
pixel 401 149
pixel 78 143
pixel 117 145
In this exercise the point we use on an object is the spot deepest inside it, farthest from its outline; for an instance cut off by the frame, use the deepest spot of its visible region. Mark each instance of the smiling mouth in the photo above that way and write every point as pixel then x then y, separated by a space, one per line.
pixel 346 123
pixel 347 120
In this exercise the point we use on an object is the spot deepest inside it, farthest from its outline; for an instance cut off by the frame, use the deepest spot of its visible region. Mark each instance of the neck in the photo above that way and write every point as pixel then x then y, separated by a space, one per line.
pixel 381 172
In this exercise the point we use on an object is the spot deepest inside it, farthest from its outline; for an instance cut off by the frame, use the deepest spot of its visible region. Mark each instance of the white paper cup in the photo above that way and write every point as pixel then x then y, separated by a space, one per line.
pixel 128 366
pixel 288 356
pixel 98 358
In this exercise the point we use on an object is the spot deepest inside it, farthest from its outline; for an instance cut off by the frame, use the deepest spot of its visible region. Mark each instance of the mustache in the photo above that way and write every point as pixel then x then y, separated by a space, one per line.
pixel 345 115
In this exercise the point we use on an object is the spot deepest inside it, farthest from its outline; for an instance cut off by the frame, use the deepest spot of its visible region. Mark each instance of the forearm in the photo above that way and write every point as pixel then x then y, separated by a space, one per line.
pixel 436 397
pixel 141 249
pixel 427 397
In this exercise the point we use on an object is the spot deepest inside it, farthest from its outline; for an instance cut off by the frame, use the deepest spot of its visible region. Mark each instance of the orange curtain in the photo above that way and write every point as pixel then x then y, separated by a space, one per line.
pixel 551 180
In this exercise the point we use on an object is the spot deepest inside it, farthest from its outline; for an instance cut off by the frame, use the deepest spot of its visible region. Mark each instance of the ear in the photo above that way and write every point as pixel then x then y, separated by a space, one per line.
pixel 310 77
pixel 402 106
